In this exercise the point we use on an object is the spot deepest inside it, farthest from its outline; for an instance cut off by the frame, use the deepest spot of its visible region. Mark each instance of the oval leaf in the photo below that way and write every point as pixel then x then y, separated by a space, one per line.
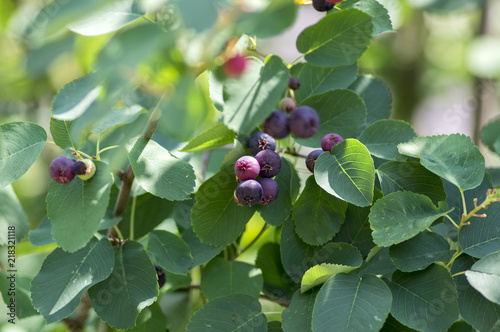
pixel 382 138
pixel 347 173
pixel 454 157
pixel 317 215
pixel 170 251
pixel 402 215
pixel 64 277
pixel 212 138
pixel 201 252
pixel 76 209
pixel 298 316
pixel 381 19
pixel 20 145
pixel 23 306
pixel 12 215
pixel 351 303
pixel 159 172
pixel 233 313
pixel 424 300
pixel 131 287
pixel 484 276
pixel 328 43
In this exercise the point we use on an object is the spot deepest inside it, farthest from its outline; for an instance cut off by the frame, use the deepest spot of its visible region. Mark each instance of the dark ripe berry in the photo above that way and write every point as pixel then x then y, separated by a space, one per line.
pixel 270 189
pixel 334 1
pixel 287 104
pixel 84 169
pixel 246 168
pixel 311 159
pixel 161 276
pixel 293 83
pixel 322 5
pixel 276 125
pixel 235 66
pixel 261 141
pixel 249 192
pixel 61 169
pixel 304 122
pixel 330 140
pixel 270 163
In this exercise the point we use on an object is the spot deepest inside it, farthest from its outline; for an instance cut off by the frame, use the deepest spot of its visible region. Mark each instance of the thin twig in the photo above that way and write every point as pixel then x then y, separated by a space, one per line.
pixel 250 244
pixel 282 302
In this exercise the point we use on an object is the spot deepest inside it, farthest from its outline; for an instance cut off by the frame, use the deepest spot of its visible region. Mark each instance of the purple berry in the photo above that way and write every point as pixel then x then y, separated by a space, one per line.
pixel 276 125
pixel 270 163
pixel 330 140
pixel 322 5
pixel 261 141
pixel 61 169
pixel 287 104
pixel 311 159
pixel 84 169
pixel 161 276
pixel 270 189
pixel 293 83
pixel 246 168
pixel 249 192
pixel 304 122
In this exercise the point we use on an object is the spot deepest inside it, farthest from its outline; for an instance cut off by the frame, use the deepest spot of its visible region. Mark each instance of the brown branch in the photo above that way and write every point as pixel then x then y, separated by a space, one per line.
pixel 282 302
pixel 77 324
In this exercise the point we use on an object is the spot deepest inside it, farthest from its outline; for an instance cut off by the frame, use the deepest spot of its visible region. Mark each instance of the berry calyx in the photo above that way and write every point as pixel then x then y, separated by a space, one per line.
pixel 61 169
pixel 270 163
pixel 249 192
pixel 322 5
pixel 330 140
pixel 84 169
pixel 287 104
pixel 277 124
pixel 311 159
pixel 293 83
pixel 246 168
pixel 261 141
pixel 161 276
pixel 235 66
pixel 270 191
pixel 304 122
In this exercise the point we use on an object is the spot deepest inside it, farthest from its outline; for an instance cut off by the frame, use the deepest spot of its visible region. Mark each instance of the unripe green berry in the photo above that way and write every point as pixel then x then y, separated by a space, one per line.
pixel 84 169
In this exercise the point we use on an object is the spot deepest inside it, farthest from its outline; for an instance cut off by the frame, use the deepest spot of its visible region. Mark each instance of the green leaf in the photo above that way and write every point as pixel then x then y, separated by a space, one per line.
pixel 201 252
pixel 222 278
pixel 381 19
pixel 131 287
pixel 249 99
pixel 61 134
pixel 351 303
pixel 150 319
pixel 159 172
pixel 42 236
pixel 289 184
pixel 13 220
pixel 107 19
pixel 274 326
pixel 211 138
pixel 64 277
pixel 420 251
pixel 170 251
pixel 276 282
pixel 20 145
pixel 340 111
pixel 402 215
pixel 410 176
pixel 201 19
pixel 233 313
pixel 380 263
pixel 343 258
pixel 382 138
pixel 377 98
pixel 18 297
pixel 75 209
pixel 482 236
pixel 474 307
pixel 347 173
pixel 328 43
pixel 484 276
pixel 424 300
pixel 454 157
pixel 317 215
pixel 216 91
pixel 216 218
pixel 317 80
pixel 490 135
pixel 357 230
pixel 116 117
pixel 270 21
pixel 298 316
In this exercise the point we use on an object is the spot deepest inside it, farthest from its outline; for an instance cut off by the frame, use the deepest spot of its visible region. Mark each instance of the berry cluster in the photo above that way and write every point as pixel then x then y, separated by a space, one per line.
pixel 327 143
pixel 63 169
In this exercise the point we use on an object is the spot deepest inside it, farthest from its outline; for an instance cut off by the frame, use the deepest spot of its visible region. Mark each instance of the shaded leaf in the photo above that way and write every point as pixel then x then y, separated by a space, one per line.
pixel 298 316
pixel 42 236
pixel 381 19
pixel 484 276
pixel 200 251
pixel 211 138
pixel 170 251
pixel 17 298
pixel 13 220
pixel 116 117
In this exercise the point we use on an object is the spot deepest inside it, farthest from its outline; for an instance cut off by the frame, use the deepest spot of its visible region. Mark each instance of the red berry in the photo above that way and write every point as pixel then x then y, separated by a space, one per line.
pixel 246 168
pixel 235 66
